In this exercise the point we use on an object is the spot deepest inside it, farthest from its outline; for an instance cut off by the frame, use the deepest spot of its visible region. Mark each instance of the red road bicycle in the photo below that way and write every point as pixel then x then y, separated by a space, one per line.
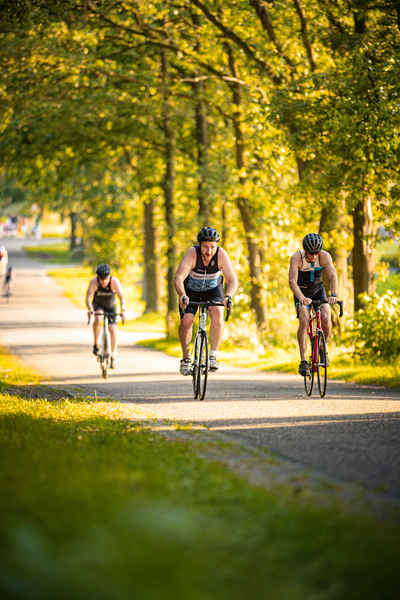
pixel 316 351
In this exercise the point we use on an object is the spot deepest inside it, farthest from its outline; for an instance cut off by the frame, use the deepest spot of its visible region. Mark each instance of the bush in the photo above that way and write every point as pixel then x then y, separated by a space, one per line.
pixel 376 328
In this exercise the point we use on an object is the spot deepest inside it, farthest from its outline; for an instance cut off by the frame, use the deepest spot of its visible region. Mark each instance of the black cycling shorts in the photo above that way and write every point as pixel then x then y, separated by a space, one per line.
pixel 216 294
pixel 318 294
pixel 111 318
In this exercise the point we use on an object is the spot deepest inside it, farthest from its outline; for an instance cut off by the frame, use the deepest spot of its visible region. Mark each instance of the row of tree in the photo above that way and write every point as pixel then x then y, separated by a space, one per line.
pixel 147 120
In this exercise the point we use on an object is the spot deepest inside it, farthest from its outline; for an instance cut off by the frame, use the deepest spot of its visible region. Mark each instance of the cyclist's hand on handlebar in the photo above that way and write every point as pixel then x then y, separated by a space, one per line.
pixel 89 314
pixel 183 301
pixel 228 302
pixel 332 300
pixel 123 316
pixel 305 301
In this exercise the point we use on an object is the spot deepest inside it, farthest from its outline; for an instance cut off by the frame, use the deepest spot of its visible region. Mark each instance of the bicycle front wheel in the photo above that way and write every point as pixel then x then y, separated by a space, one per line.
pixel 202 366
pixel 309 379
pixel 322 367
pixel 194 365
pixel 104 356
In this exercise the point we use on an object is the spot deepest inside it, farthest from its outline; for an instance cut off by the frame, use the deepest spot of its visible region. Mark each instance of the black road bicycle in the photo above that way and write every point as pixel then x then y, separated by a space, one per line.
pixel 104 358
pixel 200 362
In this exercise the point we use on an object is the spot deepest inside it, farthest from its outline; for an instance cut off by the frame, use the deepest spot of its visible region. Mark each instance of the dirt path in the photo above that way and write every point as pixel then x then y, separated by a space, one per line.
pixel 352 435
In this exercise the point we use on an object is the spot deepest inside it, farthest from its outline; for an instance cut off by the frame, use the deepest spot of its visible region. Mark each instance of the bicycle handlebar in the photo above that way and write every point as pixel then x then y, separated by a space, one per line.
pixel 317 304
pixel 207 303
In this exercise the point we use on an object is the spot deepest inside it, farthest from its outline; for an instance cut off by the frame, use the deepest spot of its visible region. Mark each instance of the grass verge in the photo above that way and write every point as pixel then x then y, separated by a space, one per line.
pixel 13 371
pixel 95 505
pixel 52 253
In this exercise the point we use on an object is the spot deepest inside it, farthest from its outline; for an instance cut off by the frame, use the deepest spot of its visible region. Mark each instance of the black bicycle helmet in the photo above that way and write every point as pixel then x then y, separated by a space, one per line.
pixel 313 243
pixel 208 234
pixel 103 271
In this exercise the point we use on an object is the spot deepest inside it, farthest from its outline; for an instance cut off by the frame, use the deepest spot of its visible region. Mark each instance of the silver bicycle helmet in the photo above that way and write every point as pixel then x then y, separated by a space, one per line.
pixel 312 243
pixel 103 271
pixel 208 234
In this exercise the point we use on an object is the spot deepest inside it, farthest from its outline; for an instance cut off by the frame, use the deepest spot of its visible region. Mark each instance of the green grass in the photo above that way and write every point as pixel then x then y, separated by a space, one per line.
pixel 52 253
pixel 392 282
pixel 13 371
pixel 389 251
pixel 147 322
pixel 93 505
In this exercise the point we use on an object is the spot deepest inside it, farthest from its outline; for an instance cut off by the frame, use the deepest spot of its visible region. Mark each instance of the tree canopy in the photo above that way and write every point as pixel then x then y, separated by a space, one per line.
pixel 267 120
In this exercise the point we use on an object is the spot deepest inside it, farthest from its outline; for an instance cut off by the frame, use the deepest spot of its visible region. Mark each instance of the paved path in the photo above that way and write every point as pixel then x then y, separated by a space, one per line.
pixel 352 435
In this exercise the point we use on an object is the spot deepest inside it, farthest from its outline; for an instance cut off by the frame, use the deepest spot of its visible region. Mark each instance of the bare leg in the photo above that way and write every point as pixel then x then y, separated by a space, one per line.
pixel 326 320
pixel 216 327
pixel 304 320
pixel 97 326
pixel 185 333
pixel 112 328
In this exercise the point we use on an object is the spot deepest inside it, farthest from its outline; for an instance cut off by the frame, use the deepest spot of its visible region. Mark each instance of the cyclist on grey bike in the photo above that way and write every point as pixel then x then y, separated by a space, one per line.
pixel 100 298
pixel 199 277
pixel 305 281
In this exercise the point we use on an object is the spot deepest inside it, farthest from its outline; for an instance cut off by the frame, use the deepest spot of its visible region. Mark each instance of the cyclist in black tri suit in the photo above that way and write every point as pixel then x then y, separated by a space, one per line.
pixel 100 298
pixel 305 281
pixel 200 277
pixel 8 282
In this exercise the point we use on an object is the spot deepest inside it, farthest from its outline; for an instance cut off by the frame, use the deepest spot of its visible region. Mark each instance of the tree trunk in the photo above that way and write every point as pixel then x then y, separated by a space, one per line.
pixel 151 284
pixel 258 303
pixel 73 219
pixel 151 290
pixel 169 180
pixel 202 146
pixel 363 251
pixel 333 219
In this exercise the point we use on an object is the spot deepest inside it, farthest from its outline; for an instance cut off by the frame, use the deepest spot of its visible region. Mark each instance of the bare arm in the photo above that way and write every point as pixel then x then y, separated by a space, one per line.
pixel 117 288
pixel 295 264
pixel 187 263
pixel 229 274
pixel 332 276
pixel 90 293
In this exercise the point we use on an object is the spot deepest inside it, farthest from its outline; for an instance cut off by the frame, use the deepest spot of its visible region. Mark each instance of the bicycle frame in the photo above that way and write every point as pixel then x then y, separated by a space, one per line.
pixel 314 327
pixel 318 362
pixel 105 348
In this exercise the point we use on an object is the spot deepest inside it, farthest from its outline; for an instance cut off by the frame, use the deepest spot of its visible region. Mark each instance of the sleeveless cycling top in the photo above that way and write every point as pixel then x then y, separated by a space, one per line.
pixel 202 278
pixel 310 274
pixel 104 297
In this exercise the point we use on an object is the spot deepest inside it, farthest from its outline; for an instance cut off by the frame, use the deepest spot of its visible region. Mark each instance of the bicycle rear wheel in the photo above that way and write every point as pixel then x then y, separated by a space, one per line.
pixel 309 379
pixel 322 369
pixel 202 366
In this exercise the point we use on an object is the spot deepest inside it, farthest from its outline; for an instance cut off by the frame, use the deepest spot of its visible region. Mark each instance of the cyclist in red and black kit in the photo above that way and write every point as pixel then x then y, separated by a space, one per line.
pixel 305 281
pixel 100 298
pixel 200 277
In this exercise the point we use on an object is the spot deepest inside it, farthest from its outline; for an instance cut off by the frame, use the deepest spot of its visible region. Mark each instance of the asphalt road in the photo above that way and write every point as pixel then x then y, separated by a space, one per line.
pixel 351 435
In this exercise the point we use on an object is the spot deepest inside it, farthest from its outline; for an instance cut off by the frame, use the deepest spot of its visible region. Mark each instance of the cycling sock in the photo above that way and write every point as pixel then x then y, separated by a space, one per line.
pixel 214 353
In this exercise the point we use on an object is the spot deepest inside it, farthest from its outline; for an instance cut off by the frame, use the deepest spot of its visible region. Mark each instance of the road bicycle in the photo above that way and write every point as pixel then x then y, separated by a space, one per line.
pixel 316 349
pixel 104 358
pixel 200 362
pixel 7 290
